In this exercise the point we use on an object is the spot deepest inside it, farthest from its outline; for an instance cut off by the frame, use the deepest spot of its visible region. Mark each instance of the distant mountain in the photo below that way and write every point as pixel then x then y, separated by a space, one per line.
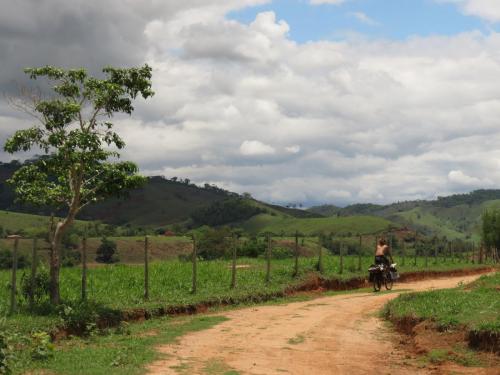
pixel 454 216
pixel 161 202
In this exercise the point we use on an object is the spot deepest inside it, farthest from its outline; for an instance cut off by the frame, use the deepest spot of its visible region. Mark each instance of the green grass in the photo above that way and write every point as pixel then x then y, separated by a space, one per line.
pixel 476 306
pixel 121 286
pixel 30 224
pixel 124 351
pixel 311 226
pixel 129 249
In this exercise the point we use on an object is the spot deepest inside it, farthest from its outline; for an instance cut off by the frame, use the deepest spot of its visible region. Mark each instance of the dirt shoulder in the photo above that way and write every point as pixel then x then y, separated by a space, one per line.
pixel 329 335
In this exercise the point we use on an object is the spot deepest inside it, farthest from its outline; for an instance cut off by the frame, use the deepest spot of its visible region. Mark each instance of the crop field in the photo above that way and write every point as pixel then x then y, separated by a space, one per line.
pixel 121 286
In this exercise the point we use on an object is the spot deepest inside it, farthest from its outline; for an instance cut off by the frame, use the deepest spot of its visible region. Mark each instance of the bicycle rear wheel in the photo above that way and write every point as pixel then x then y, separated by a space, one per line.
pixel 377 282
pixel 388 281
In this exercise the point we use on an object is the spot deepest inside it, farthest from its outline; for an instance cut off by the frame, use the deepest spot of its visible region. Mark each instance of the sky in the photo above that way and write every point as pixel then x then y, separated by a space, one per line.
pixel 293 101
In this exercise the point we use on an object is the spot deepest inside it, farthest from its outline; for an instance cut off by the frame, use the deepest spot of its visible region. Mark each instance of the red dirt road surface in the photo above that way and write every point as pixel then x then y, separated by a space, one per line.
pixel 329 335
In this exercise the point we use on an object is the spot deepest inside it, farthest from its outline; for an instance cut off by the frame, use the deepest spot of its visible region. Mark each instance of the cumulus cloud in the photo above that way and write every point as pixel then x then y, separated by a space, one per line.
pixel 487 9
pixel 247 108
pixel 250 148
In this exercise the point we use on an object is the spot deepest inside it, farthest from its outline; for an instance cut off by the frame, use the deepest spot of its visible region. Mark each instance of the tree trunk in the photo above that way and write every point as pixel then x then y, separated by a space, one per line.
pixel 55 257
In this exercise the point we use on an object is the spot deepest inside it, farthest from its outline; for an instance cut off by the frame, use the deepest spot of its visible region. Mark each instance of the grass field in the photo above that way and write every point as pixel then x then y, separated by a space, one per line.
pixel 30 224
pixel 313 226
pixel 474 306
pixel 121 286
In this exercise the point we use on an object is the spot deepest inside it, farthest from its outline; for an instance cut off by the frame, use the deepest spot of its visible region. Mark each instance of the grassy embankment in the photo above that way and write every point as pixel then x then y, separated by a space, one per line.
pixel 475 306
pixel 461 318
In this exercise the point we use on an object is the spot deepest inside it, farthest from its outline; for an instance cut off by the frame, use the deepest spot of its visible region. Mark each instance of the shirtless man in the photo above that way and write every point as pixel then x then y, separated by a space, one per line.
pixel 382 252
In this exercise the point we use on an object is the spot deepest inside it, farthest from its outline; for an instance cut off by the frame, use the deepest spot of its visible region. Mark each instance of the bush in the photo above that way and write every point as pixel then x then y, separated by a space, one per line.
pixel 71 258
pixel 41 346
pixel 42 285
pixel 282 253
pixel 83 317
pixel 212 243
pixel 106 252
pixel 6 260
pixel 4 354
pixel 253 248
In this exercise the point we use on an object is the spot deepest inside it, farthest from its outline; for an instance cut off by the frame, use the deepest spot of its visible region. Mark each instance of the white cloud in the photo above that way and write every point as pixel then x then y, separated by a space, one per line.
pixel 487 9
pixel 250 148
pixel 245 107
pixel 460 178
pixel 293 149
pixel 363 18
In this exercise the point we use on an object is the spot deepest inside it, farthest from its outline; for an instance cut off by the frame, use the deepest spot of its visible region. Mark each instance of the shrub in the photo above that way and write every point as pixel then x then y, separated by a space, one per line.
pixel 42 285
pixel 83 317
pixel 106 252
pixel 41 346
pixel 252 249
pixel 6 260
pixel 282 253
pixel 71 258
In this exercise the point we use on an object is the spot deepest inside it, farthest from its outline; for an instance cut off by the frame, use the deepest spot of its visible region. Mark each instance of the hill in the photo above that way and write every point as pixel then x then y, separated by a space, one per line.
pixel 455 216
pixel 347 226
pixel 160 202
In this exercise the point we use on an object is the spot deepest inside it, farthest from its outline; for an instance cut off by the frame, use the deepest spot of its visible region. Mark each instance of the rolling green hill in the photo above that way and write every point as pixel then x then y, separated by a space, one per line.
pixel 282 225
pixel 456 216
pixel 160 202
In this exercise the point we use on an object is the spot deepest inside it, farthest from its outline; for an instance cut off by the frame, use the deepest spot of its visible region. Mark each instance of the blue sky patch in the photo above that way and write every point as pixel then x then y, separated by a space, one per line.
pixel 389 19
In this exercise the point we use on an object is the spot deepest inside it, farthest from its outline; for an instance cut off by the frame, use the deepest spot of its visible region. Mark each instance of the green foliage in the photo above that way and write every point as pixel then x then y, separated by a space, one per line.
pixel 6 260
pixel 213 243
pixel 41 346
pixel 41 284
pixel 282 253
pixel 475 307
pixel 83 317
pixel 491 228
pixel 75 171
pixel 252 248
pixel 224 212
pixel 106 252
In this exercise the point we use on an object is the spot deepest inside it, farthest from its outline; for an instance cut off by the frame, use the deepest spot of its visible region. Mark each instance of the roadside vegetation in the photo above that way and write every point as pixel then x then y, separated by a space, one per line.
pixel 474 306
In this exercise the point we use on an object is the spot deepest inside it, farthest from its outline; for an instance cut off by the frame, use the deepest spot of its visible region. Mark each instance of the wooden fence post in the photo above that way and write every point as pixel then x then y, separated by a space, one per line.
pixel 195 265
pixel 34 264
pixel 416 242
pixel 296 269
pixel 450 247
pixel 341 264
pixel 268 259
pixel 146 268
pixel 404 253
pixel 84 268
pixel 233 268
pixel 13 291
pixel 434 243
pixel 360 251
pixel 320 256
pixel 481 254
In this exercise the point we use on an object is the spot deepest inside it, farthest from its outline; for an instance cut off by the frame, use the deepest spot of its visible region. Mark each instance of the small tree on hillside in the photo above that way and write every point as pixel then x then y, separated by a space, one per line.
pixel 106 252
pixel 79 141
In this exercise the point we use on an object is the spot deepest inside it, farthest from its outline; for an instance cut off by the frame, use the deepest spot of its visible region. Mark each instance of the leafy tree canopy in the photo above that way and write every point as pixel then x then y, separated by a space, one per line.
pixel 75 131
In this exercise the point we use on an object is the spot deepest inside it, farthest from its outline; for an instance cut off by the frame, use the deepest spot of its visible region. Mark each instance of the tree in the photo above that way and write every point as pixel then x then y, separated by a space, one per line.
pixel 106 251
pixel 79 143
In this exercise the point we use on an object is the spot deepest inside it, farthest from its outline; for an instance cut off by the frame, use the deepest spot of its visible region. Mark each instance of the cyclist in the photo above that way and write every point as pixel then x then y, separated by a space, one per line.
pixel 383 253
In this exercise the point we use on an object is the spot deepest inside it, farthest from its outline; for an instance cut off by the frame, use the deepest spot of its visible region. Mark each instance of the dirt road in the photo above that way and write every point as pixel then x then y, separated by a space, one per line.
pixel 329 335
